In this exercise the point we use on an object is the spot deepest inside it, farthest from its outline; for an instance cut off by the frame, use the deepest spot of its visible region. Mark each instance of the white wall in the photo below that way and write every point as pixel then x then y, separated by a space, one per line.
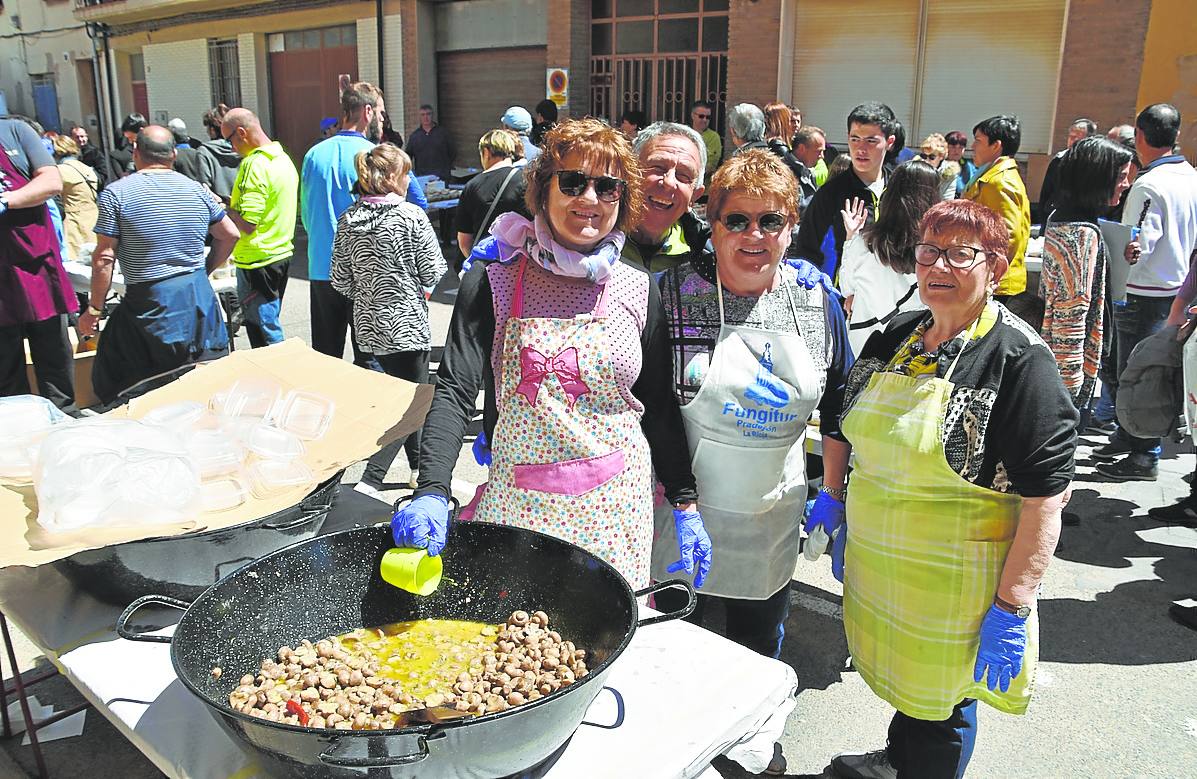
pixel 178 82
pixel 367 61
pixel 32 51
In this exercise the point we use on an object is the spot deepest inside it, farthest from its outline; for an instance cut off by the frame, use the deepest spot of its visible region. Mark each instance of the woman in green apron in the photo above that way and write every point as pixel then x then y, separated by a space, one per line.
pixel 964 437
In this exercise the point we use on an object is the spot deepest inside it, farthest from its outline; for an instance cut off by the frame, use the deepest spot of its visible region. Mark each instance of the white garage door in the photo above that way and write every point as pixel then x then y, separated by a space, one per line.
pixel 941 65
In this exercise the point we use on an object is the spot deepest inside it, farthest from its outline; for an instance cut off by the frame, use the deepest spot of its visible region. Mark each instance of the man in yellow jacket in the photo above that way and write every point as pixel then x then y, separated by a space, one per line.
pixel 998 186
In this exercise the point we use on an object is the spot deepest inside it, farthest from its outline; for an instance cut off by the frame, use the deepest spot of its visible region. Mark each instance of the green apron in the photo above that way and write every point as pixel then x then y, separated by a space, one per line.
pixel 924 555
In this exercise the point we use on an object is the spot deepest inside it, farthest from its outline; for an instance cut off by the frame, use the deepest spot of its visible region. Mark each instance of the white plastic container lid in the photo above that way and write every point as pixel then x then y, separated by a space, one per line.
pixel 223 494
pixel 273 444
pixel 306 414
pixel 272 475
pixel 215 453
pixel 253 397
pixel 177 416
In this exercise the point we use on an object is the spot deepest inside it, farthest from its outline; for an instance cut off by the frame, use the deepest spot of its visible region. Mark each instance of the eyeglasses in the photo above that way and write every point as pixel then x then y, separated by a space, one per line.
pixel 771 222
pixel 701 116
pixel 961 144
pixel 606 188
pixel 961 257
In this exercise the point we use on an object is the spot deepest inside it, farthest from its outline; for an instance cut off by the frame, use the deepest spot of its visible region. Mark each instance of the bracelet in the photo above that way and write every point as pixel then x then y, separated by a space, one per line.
pixel 839 493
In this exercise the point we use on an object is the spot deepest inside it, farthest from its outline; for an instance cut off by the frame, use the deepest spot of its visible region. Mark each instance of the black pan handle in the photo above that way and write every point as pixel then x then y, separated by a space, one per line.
pixel 304 516
pixel 122 622
pixel 330 756
pixel 685 611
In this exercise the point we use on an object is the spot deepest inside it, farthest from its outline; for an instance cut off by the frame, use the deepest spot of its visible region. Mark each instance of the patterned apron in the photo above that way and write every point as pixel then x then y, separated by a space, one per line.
pixel 746 429
pixel 924 556
pixel 568 457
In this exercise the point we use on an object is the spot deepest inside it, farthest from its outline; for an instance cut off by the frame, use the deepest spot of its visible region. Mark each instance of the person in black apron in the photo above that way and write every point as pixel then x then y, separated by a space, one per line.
pixel 35 292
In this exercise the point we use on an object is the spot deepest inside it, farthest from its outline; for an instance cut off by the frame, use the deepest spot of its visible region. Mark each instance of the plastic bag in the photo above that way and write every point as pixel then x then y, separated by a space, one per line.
pixel 24 421
pixel 114 473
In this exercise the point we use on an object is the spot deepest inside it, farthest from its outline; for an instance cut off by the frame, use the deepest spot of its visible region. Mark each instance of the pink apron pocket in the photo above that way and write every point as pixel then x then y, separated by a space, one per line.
pixel 572 477
pixel 467 512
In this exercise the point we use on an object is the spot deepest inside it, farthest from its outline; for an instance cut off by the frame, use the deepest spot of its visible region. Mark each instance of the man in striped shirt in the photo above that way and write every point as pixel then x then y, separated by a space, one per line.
pixel 263 206
pixel 154 223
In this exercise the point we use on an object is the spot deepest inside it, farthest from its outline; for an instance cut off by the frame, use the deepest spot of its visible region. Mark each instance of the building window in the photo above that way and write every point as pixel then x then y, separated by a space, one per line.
pixel 224 71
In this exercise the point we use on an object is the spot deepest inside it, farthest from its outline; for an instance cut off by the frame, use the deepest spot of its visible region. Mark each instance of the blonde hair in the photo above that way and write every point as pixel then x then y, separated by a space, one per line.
pixel 937 143
pixel 64 145
pixel 500 143
pixel 758 174
pixel 381 170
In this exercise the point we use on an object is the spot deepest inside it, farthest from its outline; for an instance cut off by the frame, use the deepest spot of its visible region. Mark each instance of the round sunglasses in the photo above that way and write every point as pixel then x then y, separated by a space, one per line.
pixel 771 222
pixel 606 188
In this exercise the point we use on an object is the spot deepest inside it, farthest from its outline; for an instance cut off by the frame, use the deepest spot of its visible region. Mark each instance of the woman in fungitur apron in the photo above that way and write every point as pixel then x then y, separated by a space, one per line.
pixel 963 436
pixel 755 353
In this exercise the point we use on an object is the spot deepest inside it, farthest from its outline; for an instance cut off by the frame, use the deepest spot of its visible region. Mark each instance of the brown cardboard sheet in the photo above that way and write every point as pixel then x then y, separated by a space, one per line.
pixel 372 410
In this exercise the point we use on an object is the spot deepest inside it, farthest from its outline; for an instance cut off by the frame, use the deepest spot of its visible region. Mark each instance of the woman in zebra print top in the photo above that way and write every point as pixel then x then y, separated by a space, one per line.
pixel 385 256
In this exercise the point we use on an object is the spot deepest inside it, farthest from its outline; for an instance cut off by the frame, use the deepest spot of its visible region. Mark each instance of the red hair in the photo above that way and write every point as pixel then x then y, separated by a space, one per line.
pixel 974 220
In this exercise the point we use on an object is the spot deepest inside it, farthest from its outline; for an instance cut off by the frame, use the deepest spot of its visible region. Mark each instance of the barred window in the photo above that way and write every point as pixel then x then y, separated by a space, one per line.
pixel 224 70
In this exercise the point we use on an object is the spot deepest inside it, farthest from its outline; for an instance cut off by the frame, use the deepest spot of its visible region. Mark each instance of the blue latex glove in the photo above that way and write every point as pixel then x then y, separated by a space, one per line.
pixel 827 512
pixel 422 524
pixel 694 545
pixel 481 449
pixel 838 543
pixel 1003 644
pixel 810 277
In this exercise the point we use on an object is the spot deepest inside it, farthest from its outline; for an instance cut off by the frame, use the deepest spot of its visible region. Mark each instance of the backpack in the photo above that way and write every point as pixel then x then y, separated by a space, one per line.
pixel 1151 388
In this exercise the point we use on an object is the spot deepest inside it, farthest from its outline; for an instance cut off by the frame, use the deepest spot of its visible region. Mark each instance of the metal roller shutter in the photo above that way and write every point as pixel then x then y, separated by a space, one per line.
pixel 971 71
pixel 849 53
pixel 940 64
pixel 476 87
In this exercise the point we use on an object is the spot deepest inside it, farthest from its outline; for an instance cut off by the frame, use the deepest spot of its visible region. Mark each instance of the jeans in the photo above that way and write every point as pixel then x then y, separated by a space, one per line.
pixel 52 360
pixel 919 749
pixel 412 366
pixel 1139 318
pixel 260 309
pixel 759 625
pixel 1104 407
pixel 332 315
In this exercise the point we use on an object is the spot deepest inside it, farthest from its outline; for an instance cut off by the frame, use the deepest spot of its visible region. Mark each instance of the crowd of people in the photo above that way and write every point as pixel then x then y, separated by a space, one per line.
pixel 653 324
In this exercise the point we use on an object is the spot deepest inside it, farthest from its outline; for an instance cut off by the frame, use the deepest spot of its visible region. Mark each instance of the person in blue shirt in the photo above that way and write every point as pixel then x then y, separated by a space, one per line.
pixel 327 188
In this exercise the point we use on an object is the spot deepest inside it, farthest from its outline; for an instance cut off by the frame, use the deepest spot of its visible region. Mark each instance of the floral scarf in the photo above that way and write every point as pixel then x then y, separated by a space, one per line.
pixel 519 237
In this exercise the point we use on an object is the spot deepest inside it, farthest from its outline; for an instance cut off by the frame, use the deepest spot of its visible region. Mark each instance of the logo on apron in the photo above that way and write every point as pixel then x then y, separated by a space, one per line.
pixel 766 389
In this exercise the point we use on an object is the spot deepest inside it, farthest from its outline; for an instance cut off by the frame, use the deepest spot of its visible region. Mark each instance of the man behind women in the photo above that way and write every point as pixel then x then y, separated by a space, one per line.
pixel 870 135
pixel 1164 201
pixel 998 186
pixel 263 205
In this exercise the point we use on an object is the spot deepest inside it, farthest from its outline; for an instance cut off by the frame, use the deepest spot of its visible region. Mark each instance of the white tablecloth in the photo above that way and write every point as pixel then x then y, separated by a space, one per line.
pixel 686 694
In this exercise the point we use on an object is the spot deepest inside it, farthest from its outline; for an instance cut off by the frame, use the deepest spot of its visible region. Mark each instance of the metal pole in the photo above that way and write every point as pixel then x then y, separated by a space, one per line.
pixel 109 70
pixel 97 82
pixel 381 43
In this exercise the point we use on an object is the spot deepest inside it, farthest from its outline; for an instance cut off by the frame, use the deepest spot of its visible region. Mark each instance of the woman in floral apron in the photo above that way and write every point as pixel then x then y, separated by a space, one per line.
pixel 964 437
pixel 570 347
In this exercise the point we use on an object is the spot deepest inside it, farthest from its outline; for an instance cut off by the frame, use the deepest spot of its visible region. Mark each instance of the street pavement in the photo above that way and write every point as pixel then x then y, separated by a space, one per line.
pixel 1116 694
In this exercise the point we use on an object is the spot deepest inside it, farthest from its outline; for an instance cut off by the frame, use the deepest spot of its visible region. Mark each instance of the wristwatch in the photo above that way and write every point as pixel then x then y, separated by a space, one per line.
pixel 93 310
pixel 839 493
pixel 1022 612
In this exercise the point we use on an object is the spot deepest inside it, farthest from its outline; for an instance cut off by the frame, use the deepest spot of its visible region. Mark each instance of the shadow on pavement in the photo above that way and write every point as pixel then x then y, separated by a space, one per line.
pixel 1129 624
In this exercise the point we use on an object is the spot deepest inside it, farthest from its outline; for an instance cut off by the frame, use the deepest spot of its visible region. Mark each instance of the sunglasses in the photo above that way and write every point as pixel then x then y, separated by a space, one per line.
pixel 606 188
pixel 771 222
pixel 701 116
